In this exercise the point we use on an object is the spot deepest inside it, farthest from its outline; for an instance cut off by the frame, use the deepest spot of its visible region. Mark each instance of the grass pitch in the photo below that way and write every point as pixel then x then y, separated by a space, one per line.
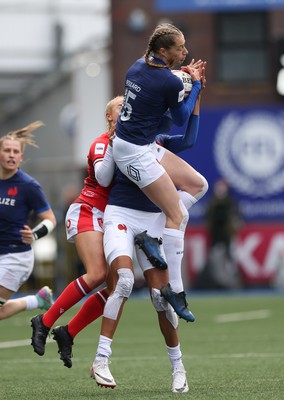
pixel 234 350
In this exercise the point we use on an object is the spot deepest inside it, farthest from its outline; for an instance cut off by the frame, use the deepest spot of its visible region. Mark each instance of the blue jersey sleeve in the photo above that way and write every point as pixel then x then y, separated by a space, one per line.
pixel 181 113
pixel 177 143
pixel 37 199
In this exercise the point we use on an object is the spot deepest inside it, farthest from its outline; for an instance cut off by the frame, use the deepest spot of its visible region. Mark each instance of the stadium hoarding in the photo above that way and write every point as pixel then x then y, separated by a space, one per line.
pixel 257 254
pixel 244 146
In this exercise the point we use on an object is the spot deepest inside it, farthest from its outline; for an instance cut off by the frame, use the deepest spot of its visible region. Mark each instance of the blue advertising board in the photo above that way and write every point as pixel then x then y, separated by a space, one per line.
pixel 216 5
pixel 244 146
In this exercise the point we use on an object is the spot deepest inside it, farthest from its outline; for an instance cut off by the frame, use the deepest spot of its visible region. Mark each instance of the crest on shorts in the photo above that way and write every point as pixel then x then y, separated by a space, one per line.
pixel 133 173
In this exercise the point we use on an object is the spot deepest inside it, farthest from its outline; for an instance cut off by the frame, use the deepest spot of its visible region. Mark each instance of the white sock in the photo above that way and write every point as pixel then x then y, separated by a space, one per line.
pixel 32 302
pixel 187 199
pixel 173 244
pixel 104 349
pixel 175 356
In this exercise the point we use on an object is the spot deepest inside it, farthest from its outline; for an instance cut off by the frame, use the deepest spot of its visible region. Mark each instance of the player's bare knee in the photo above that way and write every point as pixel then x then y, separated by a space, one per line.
pixel 203 187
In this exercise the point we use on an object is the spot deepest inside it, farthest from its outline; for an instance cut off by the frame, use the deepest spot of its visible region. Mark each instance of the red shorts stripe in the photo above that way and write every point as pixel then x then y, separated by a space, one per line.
pixel 85 219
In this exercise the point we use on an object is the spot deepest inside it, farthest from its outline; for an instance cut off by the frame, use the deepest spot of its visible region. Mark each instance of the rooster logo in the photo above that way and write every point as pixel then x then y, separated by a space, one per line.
pixel 122 227
pixel 13 191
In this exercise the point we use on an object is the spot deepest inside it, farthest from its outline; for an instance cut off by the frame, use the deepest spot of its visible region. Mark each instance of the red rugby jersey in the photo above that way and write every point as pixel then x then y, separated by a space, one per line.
pixel 93 193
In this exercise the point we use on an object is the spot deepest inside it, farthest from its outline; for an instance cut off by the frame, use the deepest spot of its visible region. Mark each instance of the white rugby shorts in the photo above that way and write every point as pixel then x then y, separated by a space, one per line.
pixel 15 269
pixel 81 217
pixel 121 225
pixel 159 152
pixel 139 163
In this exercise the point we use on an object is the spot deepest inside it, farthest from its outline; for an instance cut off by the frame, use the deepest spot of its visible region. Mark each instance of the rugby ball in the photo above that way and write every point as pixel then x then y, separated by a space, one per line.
pixel 186 80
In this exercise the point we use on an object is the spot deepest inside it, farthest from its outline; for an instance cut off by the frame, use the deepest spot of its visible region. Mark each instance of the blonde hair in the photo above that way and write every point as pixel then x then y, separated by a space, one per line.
pixel 109 108
pixel 163 36
pixel 24 135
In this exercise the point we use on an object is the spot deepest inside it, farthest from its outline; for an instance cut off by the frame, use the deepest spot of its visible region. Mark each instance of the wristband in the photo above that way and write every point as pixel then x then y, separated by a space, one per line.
pixel 42 229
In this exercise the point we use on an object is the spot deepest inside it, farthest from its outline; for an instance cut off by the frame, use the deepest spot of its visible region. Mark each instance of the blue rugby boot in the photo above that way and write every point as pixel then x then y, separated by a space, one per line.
pixel 151 247
pixel 178 302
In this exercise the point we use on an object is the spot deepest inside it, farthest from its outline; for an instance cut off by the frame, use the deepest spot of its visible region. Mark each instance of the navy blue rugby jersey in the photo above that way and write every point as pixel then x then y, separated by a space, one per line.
pixel 125 193
pixel 149 93
pixel 19 195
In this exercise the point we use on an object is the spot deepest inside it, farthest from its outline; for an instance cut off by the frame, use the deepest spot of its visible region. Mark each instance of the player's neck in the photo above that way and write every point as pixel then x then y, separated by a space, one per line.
pixel 7 174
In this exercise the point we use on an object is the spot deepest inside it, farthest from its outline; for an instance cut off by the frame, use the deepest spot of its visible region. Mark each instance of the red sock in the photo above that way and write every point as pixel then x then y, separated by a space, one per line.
pixel 91 310
pixel 73 293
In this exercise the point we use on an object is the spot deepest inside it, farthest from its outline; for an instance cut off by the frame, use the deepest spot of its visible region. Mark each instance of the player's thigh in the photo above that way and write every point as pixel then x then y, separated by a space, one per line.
pixel 155 228
pixel 121 225
pixel 90 249
pixel 181 173
pixel 163 193
pixel 118 235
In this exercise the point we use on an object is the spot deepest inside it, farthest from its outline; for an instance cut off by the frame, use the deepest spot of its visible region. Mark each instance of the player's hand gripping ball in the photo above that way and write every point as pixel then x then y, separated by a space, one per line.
pixel 186 80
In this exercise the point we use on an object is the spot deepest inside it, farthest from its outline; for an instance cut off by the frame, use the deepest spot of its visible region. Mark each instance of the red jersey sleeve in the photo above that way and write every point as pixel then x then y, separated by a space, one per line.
pixel 93 193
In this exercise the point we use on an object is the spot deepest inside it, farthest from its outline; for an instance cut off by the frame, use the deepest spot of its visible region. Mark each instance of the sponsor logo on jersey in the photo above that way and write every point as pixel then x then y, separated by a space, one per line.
pixel 7 201
pixel 100 148
pixel 181 96
pixel 88 193
pixel 249 152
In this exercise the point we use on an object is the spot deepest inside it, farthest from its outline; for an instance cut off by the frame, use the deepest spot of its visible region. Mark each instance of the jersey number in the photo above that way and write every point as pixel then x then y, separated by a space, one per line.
pixel 127 107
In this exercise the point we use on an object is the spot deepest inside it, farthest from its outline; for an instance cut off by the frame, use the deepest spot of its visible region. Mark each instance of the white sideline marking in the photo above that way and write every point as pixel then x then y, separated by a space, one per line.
pixel 48 360
pixel 19 343
pixel 243 316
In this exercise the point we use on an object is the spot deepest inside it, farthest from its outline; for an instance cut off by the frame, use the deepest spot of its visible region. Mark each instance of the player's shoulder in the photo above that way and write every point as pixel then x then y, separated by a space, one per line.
pixel 103 138
pixel 28 183
pixel 99 145
pixel 174 80
pixel 167 81
pixel 140 63
pixel 24 177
